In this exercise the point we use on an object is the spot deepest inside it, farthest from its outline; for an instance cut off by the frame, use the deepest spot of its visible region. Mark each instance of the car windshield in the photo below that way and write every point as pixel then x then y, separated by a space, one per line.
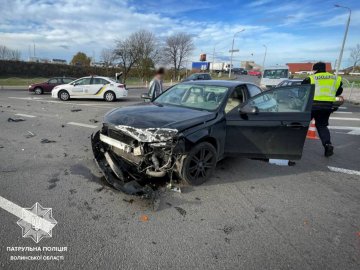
pixel 275 73
pixel 111 79
pixel 204 97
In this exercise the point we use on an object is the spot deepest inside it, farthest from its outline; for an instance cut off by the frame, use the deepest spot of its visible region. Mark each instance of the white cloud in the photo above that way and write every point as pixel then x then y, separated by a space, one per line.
pixel 61 28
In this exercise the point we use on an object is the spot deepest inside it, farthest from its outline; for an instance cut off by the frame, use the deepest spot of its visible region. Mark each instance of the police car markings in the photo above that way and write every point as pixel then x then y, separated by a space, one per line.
pixel 342 170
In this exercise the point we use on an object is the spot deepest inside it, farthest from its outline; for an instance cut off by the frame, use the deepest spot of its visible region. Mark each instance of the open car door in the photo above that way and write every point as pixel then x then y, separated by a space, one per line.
pixel 272 124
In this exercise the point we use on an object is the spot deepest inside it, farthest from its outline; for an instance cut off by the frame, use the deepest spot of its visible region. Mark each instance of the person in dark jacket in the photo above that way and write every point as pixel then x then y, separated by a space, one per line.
pixel 327 88
pixel 156 85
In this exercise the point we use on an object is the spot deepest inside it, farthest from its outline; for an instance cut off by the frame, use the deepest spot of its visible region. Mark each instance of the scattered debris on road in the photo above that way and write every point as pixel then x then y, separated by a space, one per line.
pixel 128 201
pixel 76 110
pixel 181 211
pixel 174 188
pixel 15 119
pixel 47 141
pixel 282 162
pixel 144 218
pixel 29 135
pixel 93 121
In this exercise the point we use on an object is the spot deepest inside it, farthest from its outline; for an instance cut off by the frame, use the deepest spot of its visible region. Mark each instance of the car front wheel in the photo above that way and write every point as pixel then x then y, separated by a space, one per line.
pixel 199 164
pixel 109 96
pixel 38 91
pixel 64 95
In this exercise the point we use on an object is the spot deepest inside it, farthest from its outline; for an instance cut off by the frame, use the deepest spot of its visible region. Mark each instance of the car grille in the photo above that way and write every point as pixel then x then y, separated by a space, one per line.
pixel 120 136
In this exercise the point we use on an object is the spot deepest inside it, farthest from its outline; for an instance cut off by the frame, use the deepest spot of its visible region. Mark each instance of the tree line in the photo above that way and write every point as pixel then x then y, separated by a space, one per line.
pixel 142 51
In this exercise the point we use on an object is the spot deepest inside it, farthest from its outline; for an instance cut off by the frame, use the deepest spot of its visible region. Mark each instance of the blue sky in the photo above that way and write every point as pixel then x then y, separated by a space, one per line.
pixel 292 30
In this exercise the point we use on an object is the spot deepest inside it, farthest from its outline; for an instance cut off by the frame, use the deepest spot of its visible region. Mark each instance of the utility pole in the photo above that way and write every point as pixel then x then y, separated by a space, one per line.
pixel 232 51
pixel 213 58
pixel 344 40
pixel 263 64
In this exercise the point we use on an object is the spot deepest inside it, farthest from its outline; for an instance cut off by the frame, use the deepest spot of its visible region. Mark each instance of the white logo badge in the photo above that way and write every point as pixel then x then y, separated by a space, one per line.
pixel 37 222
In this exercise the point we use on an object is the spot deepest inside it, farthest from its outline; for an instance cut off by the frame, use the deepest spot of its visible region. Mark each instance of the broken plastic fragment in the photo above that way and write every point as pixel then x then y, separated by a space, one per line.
pixel 280 162
pixel 47 141
pixel 15 119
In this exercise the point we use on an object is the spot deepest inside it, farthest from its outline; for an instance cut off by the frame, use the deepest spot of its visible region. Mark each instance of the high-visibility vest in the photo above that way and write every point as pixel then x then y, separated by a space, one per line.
pixel 326 85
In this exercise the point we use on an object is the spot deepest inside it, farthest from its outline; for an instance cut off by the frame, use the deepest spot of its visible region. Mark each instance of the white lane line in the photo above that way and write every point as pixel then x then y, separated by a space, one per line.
pixel 345 118
pixel 343 112
pixel 25 115
pixel 66 103
pixel 341 170
pixel 27 98
pixel 342 108
pixel 353 130
pixel 26 215
pixel 81 125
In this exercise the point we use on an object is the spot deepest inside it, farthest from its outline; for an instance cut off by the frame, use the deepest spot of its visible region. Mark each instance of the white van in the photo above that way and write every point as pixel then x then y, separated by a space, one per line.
pixel 272 76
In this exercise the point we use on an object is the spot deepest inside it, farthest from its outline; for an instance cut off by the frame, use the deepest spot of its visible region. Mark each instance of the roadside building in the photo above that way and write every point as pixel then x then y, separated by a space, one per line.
pixel 249 65
pixel 305 68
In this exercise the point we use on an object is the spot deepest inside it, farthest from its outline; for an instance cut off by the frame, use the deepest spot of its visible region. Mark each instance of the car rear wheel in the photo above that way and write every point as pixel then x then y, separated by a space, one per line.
pixel 38 91
pixel 199 164
pixel 64 95
pixel 109 96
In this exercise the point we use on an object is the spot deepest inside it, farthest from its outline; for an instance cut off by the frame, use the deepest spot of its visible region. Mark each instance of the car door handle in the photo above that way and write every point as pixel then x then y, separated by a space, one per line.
pixel 294 125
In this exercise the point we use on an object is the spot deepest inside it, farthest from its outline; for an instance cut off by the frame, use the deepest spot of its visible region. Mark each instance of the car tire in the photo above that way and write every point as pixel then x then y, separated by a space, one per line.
pixel 199 164
pixel 64 95
pixel 38 91
pixel 109 96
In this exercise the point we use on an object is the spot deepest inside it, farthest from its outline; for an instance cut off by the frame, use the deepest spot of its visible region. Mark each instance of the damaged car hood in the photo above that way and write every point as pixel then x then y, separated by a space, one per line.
pixel 153 116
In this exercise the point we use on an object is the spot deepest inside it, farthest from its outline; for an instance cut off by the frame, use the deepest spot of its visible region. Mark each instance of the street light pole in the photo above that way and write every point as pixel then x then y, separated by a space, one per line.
pixel 263 64
pixel 232 51
pixel 343 43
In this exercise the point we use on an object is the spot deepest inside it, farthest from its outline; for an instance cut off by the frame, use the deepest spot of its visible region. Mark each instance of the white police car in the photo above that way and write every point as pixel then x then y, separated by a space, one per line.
pixel 91 87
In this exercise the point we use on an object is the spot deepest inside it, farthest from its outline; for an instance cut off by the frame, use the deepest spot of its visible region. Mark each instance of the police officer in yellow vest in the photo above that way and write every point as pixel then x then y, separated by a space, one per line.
pixel 327 88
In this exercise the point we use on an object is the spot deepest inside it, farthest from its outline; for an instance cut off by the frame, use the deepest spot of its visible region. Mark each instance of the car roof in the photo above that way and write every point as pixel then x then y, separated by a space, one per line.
pixel 217 83
pixel 200 73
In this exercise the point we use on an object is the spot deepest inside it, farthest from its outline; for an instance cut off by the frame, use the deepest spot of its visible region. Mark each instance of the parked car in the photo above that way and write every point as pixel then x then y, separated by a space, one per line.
pixel 186 130
pixel 46 87
pixel 272 76
pixel 239 71
pixel 254 73
pixel 198 76
pixel 91 87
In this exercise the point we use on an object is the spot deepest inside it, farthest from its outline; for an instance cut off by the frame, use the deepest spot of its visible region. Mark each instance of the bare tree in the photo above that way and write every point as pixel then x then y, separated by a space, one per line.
pixel 355 56
pixel 9 54
pixel 178 47
pixel 139 49
pixel 107 56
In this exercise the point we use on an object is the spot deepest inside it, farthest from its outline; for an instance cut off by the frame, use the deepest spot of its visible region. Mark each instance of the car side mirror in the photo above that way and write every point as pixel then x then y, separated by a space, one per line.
pixel 248 109
pixel 146 97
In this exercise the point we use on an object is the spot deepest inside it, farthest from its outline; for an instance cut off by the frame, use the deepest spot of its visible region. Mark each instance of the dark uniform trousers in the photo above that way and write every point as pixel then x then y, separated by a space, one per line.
pixel 321 116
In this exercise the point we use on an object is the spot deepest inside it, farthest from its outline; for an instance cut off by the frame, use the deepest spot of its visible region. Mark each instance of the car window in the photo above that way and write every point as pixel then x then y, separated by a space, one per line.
pixel 99 81
pixel 201 77
pixel 235 99
pixel 253 90
pixel 67 80
pixel 53 81
pixel 207 77
pixel 83 81
pixel 207 97
pixel 275 73
pixel 287 99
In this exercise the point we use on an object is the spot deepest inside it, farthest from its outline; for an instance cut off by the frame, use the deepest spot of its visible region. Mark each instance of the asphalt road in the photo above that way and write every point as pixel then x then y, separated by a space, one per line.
pixel 250 215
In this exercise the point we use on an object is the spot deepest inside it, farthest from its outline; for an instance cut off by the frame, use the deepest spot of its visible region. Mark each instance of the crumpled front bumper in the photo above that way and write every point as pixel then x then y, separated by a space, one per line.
pixel 117 172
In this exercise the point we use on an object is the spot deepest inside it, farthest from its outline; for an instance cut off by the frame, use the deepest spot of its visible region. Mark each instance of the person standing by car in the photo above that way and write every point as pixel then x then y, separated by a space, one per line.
pixel 156 85
pixel 327 88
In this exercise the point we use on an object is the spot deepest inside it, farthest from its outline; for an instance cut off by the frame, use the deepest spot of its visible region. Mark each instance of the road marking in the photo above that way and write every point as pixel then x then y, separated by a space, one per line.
pixel 27 98
pixel 81 125
pixel 345 118
pixel 343 112
pixel 25 115
pixel 341 170
pixel 353 130
pixel 343 108
pixel 26 215
pixel 64 102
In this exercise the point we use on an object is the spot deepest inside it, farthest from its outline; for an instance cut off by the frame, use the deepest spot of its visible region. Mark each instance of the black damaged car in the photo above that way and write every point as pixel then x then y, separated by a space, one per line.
pixel 185 131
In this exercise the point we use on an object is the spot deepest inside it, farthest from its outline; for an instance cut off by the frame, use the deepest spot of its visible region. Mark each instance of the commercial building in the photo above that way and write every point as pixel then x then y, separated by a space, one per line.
pixel 305 67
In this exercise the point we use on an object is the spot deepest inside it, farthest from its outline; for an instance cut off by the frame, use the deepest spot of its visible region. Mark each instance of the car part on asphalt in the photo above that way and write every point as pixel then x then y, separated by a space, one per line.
pixel 76 110
pixel 15 119
pixel 47 141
